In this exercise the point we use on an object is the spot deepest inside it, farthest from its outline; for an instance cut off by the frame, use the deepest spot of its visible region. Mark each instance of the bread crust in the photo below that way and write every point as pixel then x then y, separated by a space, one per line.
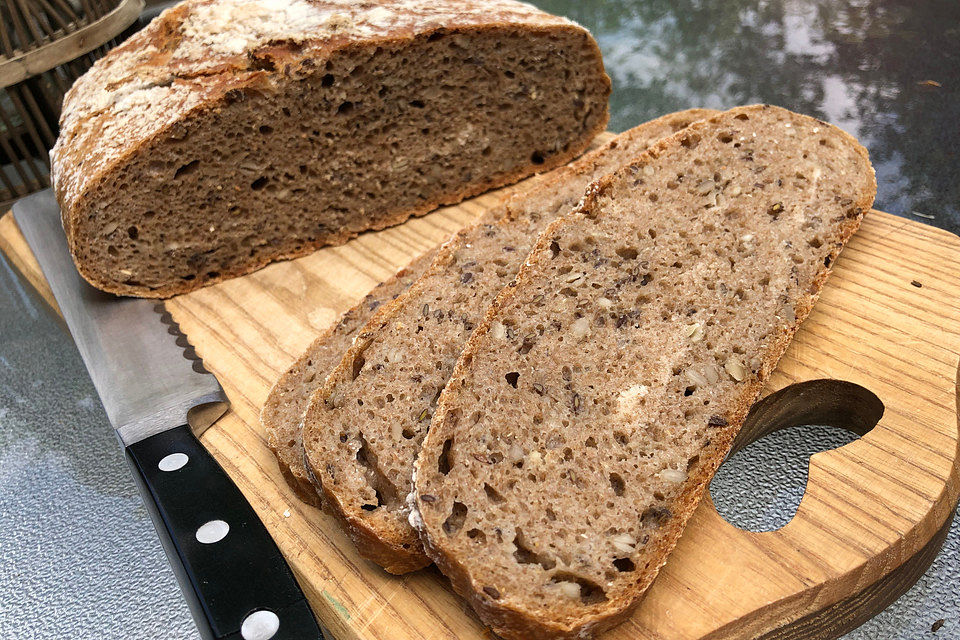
pixel 514 622
pixel 399 551
pixel 321 356
pixel 141 94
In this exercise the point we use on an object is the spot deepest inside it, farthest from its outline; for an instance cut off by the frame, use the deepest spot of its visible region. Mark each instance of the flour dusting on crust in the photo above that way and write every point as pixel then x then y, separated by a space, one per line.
pixel 196 52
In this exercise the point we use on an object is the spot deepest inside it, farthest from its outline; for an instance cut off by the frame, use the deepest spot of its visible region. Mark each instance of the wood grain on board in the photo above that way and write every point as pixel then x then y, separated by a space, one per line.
pixel 874 513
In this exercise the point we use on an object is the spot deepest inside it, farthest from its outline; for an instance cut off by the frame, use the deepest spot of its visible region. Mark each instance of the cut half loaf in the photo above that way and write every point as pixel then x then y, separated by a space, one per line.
pixel 599 395
pixel 282 413
pixel 363 430
pixel 231 133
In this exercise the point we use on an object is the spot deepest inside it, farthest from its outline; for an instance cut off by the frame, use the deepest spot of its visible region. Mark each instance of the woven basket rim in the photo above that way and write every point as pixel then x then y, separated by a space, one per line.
pixel 26 64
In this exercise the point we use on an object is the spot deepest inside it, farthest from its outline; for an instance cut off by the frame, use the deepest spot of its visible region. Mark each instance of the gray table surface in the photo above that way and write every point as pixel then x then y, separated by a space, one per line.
pixel 78 555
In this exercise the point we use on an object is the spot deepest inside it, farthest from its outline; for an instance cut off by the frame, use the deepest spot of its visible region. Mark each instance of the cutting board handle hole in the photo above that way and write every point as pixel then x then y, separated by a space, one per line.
pixel 780 434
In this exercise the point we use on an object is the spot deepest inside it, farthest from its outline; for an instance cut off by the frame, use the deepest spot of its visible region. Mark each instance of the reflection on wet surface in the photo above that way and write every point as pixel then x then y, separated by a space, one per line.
pixel 887 72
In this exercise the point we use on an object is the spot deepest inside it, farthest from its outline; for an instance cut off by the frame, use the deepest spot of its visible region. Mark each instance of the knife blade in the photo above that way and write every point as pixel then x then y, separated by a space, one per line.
pixel 158 398
pixel 142 375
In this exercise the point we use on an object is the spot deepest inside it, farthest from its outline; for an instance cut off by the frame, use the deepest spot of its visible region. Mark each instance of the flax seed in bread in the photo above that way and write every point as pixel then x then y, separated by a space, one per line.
pixel 231 133
pixel 363 430
pixel 561 468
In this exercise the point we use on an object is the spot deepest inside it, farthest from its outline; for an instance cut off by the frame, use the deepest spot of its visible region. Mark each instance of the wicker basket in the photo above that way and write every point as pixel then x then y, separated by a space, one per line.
pixel 44 46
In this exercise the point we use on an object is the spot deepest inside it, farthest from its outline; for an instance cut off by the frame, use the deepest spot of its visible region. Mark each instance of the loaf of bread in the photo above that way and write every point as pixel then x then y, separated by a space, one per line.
pixel 363 430
pixel 231 133
pixel 282 413
pixel 593 404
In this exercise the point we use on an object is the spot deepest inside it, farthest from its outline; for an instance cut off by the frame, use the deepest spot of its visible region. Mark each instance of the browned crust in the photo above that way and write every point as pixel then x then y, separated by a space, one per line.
pixel 217 90
pixel 390 548
pixel 303 489
pixel 394 558
pixel 511 622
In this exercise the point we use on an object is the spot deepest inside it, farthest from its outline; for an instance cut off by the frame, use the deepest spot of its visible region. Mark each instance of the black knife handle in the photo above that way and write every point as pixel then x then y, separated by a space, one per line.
pixel 233 577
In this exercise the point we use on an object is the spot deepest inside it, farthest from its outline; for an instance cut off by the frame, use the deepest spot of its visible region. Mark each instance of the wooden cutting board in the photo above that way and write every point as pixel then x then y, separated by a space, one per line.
pixel 874 514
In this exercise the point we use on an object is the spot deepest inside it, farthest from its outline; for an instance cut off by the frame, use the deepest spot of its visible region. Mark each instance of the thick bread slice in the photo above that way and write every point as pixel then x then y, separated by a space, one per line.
pixel 282 413
pixel 363 430
pixel 231 133
pixel 560 469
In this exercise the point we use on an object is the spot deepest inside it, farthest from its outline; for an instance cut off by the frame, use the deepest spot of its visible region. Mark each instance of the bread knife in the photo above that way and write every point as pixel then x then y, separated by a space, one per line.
pixel 159 399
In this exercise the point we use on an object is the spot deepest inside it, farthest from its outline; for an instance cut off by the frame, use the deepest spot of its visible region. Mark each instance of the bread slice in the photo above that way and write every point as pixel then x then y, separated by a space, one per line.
pixel 231 133
pixel 363 430
pixel 282 413
pixel 602 390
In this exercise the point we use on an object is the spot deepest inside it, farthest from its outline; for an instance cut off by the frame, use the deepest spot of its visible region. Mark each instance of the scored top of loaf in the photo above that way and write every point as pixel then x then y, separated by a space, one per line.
pixel 198 51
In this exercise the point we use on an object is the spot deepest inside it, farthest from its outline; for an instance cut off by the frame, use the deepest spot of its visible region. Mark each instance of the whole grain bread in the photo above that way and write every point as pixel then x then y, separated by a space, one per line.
pixel 231 133
pixel 363 429
pixel 282 413
pixel 589 410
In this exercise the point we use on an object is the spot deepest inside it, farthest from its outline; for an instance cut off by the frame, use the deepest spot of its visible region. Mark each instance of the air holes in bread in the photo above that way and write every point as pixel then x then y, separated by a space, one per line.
pixel 358 363
pixel 512 378
pixel 525 555
pixel 655 516
pixel 492 494
pixel 383 489
pixel 259 183
pixel 445 460
pixel 690 141
pixel 455 520
pixel 536 157
pixel 617 484
pixel 187 169
pixel 574 586
pixel 554 249
pixel 477 536
pixel 627 253
pixel 624 564
pixel 345 107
